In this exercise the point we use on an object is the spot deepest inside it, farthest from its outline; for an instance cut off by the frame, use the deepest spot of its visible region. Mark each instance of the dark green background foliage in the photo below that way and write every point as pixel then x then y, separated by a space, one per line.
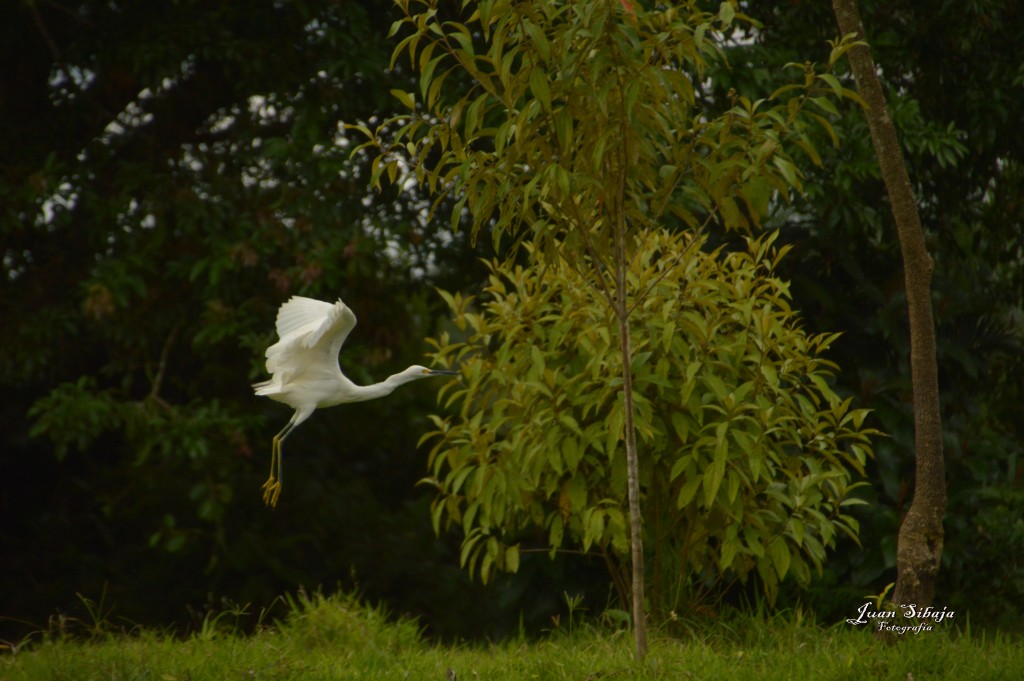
pixel 169 175
pixel 953 94
pixel 142 270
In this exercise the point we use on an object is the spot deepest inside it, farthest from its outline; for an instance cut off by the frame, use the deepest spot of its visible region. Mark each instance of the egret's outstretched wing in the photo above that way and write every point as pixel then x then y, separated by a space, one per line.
pixel 302 314
pixel 312 333
pixel 333 330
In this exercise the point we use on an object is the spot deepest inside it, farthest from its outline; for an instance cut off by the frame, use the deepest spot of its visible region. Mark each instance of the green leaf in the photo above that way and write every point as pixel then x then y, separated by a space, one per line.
pixel 681 424
pixel 427 78
pixel 726 13
pixel 555 533
pixel 537 359
pixel 512 558
pixel 468 544
pixel 576 491
pixel 729 549
pixel 564 130
pixel 732 486
pixel 833 83
pixel 461 34
pixel 796 530
pixel 572 454
pixel 779 553
pixel 825 104
pixel 594 520
pixel 538 39
pixel 407 99
pixel 716 471
pixel 789 172
pixel 539 88
pixel 616 420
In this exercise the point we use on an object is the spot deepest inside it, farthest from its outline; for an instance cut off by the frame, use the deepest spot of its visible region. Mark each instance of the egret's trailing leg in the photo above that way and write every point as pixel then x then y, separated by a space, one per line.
pixel 272 487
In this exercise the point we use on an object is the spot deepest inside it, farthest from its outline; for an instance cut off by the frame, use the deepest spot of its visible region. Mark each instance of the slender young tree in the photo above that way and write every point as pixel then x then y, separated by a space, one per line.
pixel 575 126
pixel 921 535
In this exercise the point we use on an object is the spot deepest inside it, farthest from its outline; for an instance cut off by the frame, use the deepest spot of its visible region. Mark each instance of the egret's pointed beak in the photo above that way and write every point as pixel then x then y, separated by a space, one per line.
pixel 442 372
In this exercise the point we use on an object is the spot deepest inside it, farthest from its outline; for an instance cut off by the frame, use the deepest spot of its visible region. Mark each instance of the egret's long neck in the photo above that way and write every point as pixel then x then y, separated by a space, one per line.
pixel 375 390
pixel 382 389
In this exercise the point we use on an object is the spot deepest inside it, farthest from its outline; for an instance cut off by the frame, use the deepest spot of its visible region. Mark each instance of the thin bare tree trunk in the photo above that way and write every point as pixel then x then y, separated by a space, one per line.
pixel 921 535
pixel 636 543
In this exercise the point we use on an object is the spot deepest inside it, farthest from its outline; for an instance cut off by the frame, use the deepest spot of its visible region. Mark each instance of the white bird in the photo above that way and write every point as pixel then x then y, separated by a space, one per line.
pixel 305 374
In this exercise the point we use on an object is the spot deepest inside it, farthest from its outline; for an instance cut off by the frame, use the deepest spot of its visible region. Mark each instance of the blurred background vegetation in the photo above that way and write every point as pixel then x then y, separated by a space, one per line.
pixel 171 172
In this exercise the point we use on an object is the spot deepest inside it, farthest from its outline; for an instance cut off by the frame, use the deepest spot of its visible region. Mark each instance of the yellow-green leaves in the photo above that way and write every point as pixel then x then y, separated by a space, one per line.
pixel 592 90
pixel 407 99
pixel 744 442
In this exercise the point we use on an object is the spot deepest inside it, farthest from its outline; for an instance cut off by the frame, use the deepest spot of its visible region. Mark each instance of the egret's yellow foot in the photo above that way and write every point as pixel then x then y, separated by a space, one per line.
pixel 272 487
pixel 271 491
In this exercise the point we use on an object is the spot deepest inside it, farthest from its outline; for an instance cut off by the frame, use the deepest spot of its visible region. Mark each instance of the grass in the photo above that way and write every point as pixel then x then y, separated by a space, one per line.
pixel 338 638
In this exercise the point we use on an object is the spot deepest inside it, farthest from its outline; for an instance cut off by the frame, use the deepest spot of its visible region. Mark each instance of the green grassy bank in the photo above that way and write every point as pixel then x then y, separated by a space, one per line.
pixel 336 638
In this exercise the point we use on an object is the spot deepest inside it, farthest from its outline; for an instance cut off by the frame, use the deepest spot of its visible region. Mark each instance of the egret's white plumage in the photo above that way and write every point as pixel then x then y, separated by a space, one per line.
pixel 305 374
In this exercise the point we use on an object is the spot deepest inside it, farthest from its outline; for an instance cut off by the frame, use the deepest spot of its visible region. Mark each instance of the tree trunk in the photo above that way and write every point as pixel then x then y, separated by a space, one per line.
pixel 636 542
pixel 920 538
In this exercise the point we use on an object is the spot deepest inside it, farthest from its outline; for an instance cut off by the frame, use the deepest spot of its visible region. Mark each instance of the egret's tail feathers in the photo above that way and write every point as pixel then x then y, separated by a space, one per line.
pixel 266 388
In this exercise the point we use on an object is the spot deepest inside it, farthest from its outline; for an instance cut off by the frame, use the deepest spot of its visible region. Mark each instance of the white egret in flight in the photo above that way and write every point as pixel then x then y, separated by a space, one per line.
pixel 305 374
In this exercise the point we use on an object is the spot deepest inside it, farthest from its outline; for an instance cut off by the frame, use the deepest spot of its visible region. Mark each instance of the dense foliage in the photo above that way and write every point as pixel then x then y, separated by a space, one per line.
pixel 747 453
pixel 952 94
pixel 170 175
